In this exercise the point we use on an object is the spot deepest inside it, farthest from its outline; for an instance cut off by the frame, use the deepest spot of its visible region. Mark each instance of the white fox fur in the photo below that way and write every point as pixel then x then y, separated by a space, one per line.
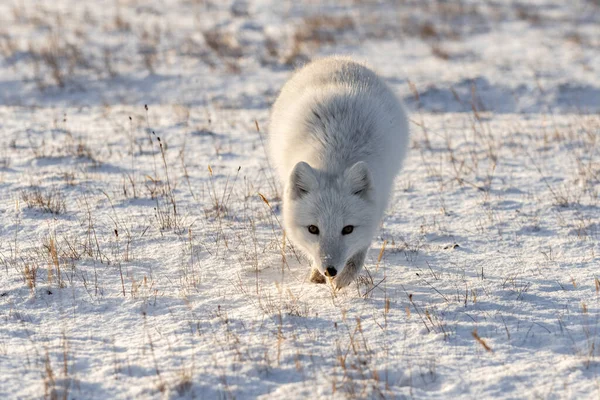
pixel 337 138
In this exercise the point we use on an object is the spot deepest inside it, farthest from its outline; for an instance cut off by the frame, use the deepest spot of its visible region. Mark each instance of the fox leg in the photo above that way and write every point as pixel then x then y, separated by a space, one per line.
pixel 353 266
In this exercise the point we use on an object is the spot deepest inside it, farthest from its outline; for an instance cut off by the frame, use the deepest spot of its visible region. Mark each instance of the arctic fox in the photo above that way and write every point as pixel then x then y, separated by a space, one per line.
pixel 337 138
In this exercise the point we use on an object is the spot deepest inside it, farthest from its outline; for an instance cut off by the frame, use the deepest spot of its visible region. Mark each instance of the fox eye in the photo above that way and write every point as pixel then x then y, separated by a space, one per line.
pixel 347 230
pixel 313 229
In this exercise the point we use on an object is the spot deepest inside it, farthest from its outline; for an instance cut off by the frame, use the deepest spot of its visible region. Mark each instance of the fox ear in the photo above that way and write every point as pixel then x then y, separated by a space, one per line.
pixel 302 180
pixel 359 179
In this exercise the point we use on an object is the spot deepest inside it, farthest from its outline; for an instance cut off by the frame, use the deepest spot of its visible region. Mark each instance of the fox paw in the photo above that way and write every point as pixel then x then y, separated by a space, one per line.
pixel 343 280
pixel 316 276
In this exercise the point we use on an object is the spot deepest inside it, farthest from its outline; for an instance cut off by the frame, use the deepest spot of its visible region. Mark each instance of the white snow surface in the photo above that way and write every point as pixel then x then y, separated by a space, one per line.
pixel 141 251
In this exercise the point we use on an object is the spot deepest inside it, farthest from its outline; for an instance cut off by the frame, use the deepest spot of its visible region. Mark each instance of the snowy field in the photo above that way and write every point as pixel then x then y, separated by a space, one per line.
pixel 141 248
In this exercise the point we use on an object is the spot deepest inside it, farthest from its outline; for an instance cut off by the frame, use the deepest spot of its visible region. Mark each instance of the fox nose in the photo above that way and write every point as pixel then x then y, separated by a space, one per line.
pixel 330 271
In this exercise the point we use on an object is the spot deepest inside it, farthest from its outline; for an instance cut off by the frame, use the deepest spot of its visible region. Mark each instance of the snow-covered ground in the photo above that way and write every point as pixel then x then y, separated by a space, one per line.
pixel 141 250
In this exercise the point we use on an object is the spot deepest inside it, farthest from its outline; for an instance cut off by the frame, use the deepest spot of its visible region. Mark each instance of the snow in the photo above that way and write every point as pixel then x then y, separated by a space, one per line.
pixel 166 275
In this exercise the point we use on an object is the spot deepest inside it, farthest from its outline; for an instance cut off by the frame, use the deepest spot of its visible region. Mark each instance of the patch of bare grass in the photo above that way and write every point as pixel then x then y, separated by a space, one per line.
pixel 48 201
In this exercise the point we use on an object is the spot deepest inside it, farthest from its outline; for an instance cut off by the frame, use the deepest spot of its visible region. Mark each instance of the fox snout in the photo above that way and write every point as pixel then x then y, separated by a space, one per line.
pixel 331 259
pixel 329 268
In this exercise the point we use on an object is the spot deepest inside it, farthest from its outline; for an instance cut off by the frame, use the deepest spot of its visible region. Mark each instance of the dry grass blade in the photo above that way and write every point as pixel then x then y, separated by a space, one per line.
pixel 380 256
pixel 264 199
pixel 481 341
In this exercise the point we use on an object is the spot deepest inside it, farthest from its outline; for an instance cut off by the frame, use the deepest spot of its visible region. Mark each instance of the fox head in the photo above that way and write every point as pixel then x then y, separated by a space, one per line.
pixel 330 217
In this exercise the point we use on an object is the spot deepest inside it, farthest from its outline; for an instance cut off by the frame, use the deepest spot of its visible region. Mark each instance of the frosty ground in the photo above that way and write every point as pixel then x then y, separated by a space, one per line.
pixel 142 253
